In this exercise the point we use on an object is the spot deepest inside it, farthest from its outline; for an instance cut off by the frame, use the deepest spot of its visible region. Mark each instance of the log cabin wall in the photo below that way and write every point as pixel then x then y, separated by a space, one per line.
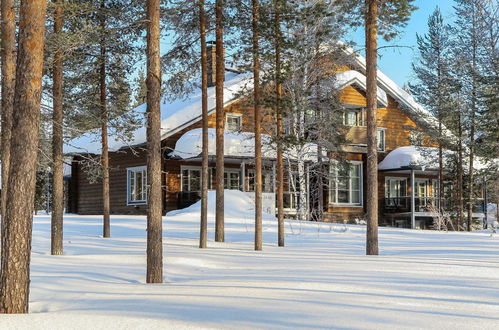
pixel 86 197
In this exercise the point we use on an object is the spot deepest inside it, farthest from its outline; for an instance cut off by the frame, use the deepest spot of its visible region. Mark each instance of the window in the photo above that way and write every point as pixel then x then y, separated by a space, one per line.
pixel 381 139
pixel 137 185
pixel 267 181
pixel 233 122
pixel 354 117
pixel 395 191
pixel 346 185
pixel 191 179
pixel 231 180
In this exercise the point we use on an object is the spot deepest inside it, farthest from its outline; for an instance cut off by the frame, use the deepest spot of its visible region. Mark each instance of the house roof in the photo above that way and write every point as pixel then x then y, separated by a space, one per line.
pixel 175 115
pixel 179 114
pixel 419 157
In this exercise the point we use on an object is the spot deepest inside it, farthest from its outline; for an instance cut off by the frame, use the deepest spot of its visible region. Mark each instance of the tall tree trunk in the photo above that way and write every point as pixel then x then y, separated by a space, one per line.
pixel 8 40
pixel 278 110
pixel 258 137
pixel 57 140
pixel 372 146
pixel 471 176
pixel 219 91
pixel 16 249
pixel 460 205
pixel 106 230
pixel 154 216
pixel 204 105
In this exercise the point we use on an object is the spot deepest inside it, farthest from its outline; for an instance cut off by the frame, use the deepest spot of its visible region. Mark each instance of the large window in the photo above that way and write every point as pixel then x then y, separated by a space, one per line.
pixel 191 179
pixel 395 191
pixel 354 117
pixel 267 181
pixel 232 180
pixel 233 122
pixel 345 187
pixel 137 185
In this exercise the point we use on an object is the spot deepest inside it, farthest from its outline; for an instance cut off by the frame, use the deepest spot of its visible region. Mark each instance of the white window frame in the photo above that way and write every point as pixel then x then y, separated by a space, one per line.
pixel 129 172
pixel 361 111
pixel 361 188
pixel 264 173
pixel 228 171
pixel 397 178
pixel 237 116
pixel 381 129
pixel 189 168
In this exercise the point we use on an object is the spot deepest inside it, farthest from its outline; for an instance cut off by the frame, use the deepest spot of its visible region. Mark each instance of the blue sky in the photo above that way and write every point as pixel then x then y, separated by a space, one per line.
pixel 396 62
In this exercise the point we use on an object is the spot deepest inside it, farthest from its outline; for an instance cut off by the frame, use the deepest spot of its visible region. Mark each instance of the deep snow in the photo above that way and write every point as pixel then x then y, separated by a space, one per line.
pixel 321 279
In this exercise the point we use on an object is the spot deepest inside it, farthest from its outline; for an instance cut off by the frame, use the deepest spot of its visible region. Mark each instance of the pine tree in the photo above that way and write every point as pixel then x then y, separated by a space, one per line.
pixel 97 88
pixel 468 43
pixel 257 117
pixel 279 127
pixel 57 138
pixel 16 240
pixel 154 216
pixel 220 121
pixel 204 91
pixel 380 18
pixel 434 86
pixel 8 40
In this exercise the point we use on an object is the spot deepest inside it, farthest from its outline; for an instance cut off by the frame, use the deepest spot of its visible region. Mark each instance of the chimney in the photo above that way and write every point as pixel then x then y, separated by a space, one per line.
pixel 211 54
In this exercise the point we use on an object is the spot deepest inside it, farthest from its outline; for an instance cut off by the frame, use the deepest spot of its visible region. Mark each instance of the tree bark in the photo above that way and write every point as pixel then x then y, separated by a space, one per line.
pixel 258 137
pixel 220 127
pixel 154 211
pixel 280 164
pixel 57 140
pixel 16 249
pixel 204 105
pixel 8 41
pixel 106 228
pixel 460 206
pixel 372 146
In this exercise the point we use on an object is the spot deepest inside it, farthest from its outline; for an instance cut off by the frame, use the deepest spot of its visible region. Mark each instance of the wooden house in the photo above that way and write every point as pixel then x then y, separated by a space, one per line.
pixel 406 187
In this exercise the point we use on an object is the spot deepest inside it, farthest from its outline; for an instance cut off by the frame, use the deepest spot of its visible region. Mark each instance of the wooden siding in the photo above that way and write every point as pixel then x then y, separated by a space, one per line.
pixel 86 197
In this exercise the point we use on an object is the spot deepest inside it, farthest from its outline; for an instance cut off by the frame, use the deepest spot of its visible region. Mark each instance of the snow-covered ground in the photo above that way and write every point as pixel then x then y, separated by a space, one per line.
pixel 321 279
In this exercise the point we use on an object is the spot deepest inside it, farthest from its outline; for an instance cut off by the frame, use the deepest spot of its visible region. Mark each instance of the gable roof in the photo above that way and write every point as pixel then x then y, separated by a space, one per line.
pixel 179 114
pixel 175 115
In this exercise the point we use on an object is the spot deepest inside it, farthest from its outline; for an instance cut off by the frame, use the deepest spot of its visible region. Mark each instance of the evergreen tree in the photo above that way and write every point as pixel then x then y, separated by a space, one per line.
pixel 8 48
pixel 154 156
pixel 434 85
pixel 468 43
pixel 97 76
pixel 16 240
pixel 380 18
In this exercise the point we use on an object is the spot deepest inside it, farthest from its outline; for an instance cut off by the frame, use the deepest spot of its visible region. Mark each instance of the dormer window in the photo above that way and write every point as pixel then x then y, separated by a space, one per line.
pixel 354 117
pixel 233 122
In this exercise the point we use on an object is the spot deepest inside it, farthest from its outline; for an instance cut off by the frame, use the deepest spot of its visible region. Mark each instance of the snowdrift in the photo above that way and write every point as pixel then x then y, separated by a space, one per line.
pixel 238 205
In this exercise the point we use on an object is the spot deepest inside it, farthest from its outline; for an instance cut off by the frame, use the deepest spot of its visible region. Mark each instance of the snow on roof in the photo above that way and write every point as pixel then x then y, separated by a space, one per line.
pixel 236 144
pixel 424 157
pixel 350 77
pixel 175 115
pixel 405 99
pixel 180 113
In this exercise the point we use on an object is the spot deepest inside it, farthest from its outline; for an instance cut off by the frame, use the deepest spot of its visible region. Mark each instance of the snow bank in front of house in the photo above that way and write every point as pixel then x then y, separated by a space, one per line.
pixel 238 205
